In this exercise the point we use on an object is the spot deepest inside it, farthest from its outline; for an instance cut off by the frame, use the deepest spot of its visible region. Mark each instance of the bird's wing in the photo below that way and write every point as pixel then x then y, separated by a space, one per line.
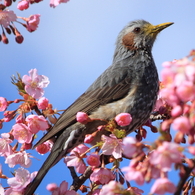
pixel 112 85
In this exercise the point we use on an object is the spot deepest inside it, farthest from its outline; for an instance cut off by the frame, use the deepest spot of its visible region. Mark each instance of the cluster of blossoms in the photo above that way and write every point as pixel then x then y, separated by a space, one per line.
pixel 25 127
pixel 147 162
pixel 7 21
pixel 177 96
pixel 8 18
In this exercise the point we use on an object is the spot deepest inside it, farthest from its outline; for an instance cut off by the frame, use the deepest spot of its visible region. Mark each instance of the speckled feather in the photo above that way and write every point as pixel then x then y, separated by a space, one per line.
pixel 129 85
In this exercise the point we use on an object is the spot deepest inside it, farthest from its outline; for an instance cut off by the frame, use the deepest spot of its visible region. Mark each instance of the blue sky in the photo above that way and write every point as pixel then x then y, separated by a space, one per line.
pixel 75 42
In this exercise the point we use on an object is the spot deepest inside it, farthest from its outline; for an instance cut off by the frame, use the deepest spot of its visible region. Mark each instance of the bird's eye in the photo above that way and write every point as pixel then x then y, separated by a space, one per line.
pixel 136 30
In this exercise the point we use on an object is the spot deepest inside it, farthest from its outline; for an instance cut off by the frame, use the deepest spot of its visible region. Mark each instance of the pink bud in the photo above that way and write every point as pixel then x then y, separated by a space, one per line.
pixel 22 5
pixel 182 124
pixel 123 119
pixel 3 104
pixel 176 111
pixel 93 160
pixel 51 187
pixel 44 148
pixel 88 139
pixel 42 103
pixel 82 117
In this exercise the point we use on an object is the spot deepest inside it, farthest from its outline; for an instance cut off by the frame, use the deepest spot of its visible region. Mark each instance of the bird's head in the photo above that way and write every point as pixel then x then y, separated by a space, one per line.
pixel 140 34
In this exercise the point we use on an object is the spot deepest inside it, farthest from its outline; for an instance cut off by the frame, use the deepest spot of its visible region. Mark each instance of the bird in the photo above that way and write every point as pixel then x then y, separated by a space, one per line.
pixel 129 85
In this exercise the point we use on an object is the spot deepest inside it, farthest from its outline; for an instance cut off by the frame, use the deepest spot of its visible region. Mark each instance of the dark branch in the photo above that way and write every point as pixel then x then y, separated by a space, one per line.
pixel 183 179
pixel 79 181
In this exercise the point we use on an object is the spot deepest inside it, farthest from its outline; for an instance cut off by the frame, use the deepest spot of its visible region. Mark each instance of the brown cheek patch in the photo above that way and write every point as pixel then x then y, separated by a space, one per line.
pixel 128 41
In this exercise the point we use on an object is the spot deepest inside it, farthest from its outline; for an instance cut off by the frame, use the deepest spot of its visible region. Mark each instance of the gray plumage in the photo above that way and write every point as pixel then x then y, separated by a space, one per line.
pixel 129 85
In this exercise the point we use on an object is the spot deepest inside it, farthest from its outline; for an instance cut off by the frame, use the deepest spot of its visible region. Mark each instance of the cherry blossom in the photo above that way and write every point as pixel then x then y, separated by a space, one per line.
pixel 7 16
pixel 35 83
pixel 162 186
pixel 51 187
pixel 63 190
pixel 123 119
pixel 33 22
pixel 42 103
pixel 112 146
pixel 93 160
pixel 82 117
pixel 23 4
pixel 3 104
pixel 44 147
pixel 182 124
pixel 1 190
pixel 133 174
pixel 130 147
pixel 80 149
pixel 165 155
pixel 21 158
pixel 5 148
pixel 36 123
pixel 74 160
pixel 21 133
pixel 101 176
pixel 112 188
pixel 54 3
pixel 21 180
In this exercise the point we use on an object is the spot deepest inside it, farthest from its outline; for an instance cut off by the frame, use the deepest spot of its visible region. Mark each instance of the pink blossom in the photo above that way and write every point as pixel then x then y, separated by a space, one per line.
pixel 162 186
pixel 21 133
pixel 160 102
pixel 21 180
pixel 82 117
pixel 9 115
pixel 93 160
pixel 32 23
pixel 112 188
pixel 74 160
pixel 5 148
pixel 190 72
pixel 88 138
pixel 3 102
pixel 186 91
pixel 36 123
pixel 102 176
pixel 133 174
pixel 51 187
pixel 44 147
pixel 63 190
pixel 42 103
pixel 182 124
pixel 20 118
pixel 191 149
pixel 23 4
pixel 35 83
pixel 1 190
pixel 170 96
pixel 165 155
pixel 176 111
pixel 130 147
pixel 167 76
pixel 54 3
pixel 112 146
pixel 6 17
pixel 123 119
pixel 80 149
pixel 21 158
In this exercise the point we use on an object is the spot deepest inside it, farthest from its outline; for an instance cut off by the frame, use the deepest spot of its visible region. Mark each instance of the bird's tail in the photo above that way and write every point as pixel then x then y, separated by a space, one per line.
pixel 50 161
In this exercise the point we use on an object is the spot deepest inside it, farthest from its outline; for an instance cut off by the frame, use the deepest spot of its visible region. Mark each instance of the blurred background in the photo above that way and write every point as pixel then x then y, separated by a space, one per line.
pixel 74 44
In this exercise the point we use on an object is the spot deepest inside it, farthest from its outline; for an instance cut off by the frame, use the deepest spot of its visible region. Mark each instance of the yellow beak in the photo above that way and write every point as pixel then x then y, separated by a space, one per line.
pixel 158 28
